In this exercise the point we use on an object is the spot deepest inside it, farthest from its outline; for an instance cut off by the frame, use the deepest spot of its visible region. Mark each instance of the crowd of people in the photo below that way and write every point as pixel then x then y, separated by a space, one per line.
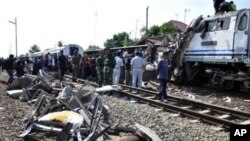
pixel 106 67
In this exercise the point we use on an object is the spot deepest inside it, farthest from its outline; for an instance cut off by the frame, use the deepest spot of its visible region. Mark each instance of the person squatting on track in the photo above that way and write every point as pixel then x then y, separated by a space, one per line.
pixel 117 70
pixel 109 64
pixel 76 64
pixel 99 68
pixel 162 71
pixel 62 62
pixel 137 67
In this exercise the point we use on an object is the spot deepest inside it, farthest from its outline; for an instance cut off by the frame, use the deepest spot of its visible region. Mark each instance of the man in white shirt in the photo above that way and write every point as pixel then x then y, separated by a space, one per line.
pixel 117 69
pixel 137 67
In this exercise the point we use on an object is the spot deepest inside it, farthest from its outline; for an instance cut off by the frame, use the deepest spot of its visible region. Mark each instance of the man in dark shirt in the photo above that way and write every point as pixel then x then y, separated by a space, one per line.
pixel 217 5
pixel 127 70
pixel 37 65
pixel 8 65
pixel 62 65
pixel 20 67
pixel 99 69
pixel 162 72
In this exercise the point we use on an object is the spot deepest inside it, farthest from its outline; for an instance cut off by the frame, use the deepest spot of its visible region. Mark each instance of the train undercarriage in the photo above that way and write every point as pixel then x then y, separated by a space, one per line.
pixel 228 77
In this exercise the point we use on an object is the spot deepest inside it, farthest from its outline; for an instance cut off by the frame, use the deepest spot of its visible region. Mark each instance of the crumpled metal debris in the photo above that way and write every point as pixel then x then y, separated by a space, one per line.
pixel 227 99
pixel 74 114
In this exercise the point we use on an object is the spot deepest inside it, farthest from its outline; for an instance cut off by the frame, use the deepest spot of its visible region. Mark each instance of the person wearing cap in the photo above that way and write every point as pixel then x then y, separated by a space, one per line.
pixel 109 64
pixel 162 71
pixel 99 69
pixel 117 70
pixel 76 64
pixel 137 67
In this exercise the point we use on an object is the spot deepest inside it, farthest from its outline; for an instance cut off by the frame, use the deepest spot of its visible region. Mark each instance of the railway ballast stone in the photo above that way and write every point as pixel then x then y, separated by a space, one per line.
pixel 165 125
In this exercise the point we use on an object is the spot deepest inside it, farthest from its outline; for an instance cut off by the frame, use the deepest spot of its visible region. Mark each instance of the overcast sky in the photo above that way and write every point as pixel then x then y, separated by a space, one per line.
pixel 85 22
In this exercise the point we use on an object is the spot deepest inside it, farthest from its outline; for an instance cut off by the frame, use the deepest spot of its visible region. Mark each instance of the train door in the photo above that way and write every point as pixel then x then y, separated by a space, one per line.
pixel 241 35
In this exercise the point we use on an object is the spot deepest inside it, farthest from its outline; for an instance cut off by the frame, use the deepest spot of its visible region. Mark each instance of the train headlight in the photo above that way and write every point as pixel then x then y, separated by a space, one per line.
pixel 241 73
pixel 209 71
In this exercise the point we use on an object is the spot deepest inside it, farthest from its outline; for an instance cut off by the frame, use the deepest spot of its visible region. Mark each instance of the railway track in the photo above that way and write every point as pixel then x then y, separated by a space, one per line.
pixel 216 115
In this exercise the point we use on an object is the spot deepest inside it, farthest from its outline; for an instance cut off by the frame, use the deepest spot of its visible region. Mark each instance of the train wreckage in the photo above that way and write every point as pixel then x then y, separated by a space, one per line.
pixel 72 113
pixel 215 50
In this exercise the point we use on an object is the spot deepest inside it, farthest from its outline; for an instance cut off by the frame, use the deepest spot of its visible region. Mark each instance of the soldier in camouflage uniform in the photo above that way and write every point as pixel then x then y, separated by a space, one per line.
pixel 99 69
pixel 109 64
pixel 76 59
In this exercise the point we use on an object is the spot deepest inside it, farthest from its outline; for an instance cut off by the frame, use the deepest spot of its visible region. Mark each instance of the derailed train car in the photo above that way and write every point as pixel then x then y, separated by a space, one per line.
pixel 215 50
pixel 68 50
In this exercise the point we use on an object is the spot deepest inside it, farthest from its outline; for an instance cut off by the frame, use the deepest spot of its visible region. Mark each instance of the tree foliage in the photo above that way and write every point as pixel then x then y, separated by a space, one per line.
pixel 34 49
pixel 60 43
pixel 93 48
pixel 156 31
pixel 119 40
pixel 167 28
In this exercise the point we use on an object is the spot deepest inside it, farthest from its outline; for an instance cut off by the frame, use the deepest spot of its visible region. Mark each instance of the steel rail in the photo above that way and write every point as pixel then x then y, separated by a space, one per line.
pixel 187 112
pixel 197 103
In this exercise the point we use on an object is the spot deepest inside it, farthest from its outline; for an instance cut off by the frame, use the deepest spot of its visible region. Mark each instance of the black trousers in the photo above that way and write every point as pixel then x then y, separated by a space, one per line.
pixel 163 87
pixel 62 72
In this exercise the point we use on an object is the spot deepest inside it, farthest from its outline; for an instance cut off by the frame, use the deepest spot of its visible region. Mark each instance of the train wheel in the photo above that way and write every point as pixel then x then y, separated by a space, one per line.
pixel 178 80
pixel 228 85
pixel 243 88
pixel 199 77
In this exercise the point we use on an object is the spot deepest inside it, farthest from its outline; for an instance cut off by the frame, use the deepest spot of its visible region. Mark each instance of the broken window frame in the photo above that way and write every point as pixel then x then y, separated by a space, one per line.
pixel 243 22
pixel 212 28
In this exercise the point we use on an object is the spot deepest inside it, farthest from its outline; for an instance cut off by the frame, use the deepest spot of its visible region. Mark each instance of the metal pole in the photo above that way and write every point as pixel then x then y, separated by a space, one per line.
pixel 147 19
pixel 95 27
pixel 185 16
pixel 15 23
pixel 16 33
pixel 136 26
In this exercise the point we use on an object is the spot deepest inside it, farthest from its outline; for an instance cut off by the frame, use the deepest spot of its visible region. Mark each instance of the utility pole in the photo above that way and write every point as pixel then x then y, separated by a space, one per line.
pixel 147 19
pixel 15 23
pixel 136 26
pixel 177 17
pixel 95 27
pixel 185 16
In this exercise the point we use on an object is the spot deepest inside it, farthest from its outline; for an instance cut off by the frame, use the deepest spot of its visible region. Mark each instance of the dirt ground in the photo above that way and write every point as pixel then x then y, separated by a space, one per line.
pixel 13 113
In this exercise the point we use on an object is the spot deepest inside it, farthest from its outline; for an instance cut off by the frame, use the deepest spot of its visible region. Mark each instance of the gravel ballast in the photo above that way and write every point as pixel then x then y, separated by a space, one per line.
pixel 167 126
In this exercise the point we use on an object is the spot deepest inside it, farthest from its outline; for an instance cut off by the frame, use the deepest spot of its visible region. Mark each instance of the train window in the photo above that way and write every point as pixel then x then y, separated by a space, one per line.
pixel 243 22
pixel 223 24
pixel 212 25
pixel 72 50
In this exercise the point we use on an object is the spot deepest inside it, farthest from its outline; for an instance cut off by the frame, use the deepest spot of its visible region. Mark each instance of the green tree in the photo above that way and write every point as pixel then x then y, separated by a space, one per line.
pixel 60 43
pixel 167 28
pixel 153 31
pixel 119 40
pixel 156 31
pixel 143 31
pixel 34 49
pixel 93 48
